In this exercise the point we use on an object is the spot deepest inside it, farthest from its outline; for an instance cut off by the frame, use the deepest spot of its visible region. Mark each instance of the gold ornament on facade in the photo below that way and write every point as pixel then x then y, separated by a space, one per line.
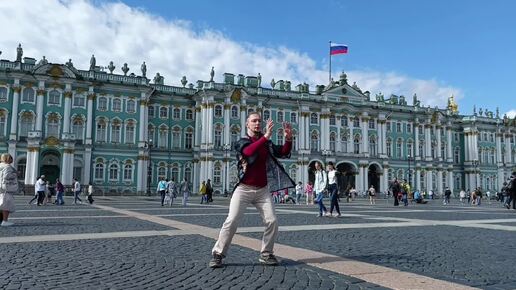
pixel 452 105
pixel 197 109
pixel 51 141
pixel 17 89
pixel 33 149
pixel 227 106
pixel 55 71
pixel 40 92
pixel 69 151
pixel 236 96
pixel 68 94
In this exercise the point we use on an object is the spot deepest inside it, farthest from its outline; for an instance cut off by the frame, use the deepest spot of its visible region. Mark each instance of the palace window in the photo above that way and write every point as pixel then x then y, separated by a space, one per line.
pixel 217 173
pixel 371 124
pixel 28 95
pixel 314 119
pixel 333 138
pixel 344 121
pixel 176 138
pixel 266 115
pixel 102 104
pixel 53 126
pixel 26 123
pixel 99 171
pixel 188 138
pixel 280 117
pixel 128 172
pixel 399 145
pixel 163 112
pixel 218 111
pixel 388 126
pixel 177 114
pixel 389 147
pixel 162 171
pixel 78 128
pixel 113 172
pixel 218 137
pixel 293 172
pixel 356 122
pixel 234 112
pixel 235 135
pixel 174 173
pixel 54 98
pixel 293 118
pixel 150 111
pixel 249 111
pixel 131 106
pixel 279 137
pixel 189 115
pixel 410 149
pixel 22 167
pixel 344 143
pixel 332 120
pixel 3 120
pixel 188 173
pixel 356 144
pixel 409 128
pixel 314 144
pixel 79 100
pixel 129 133
pixel 115 131
pixel 372 146
pixel 163 137
pixel 117 105
pixel 456 155
pixel 3 94
pixel 398 127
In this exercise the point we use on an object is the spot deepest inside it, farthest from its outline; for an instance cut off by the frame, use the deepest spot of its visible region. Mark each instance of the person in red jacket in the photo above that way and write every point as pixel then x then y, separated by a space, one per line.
pixel 256 156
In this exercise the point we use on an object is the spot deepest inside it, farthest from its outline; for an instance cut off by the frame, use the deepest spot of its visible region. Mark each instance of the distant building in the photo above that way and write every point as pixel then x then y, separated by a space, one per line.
pixel 122 132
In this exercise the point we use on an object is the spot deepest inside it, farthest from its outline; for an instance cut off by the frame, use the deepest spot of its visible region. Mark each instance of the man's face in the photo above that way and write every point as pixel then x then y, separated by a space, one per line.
pixel 254 123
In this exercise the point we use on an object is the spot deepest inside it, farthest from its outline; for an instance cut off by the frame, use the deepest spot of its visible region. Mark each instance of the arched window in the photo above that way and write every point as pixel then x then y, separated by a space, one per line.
pixel 314 144
pixel 456 155
pixel 131 106
pixel 218 111
pixel 113 172
pixel 163 137
pixel 28 95
pixel 99 171
pixel 249 111
pixel 188 138
pixel 443 150
pixel 344 143
pixel 176 114
pixel 372 145
pixel 150 111
pixel 176 138
pixel 78 128
pixel 333 137
pixel 356 122
pixel 116 128
pixel 129 132
pixel 332 120
pixel 189 115
pixel 102 104
pixel 344 121
pixel 162 170
pixel 279 137
pixel 280 117
pixel 26 123
pixel 3 122
pixel 356 144
pixel 21 167
pixel 421 151
pixel 163 112
pixel 234 112
pixel 314 119
pixel 54 98
pixel 410 148
pixel 3 94
pixel 217 173
pixel 117 105
pixel 235 134
pixel 53 125
pixel 293 172
pixel 293 118
pixel 188 174
pixel 218 136
pixel 174 174
pixel 399 146
pixel 101 131
pixel 457 182
pixel 389 147
pixel 266 115
pixel 128 172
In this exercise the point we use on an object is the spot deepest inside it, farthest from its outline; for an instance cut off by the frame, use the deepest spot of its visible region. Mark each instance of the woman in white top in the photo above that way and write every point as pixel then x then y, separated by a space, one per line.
pixel 319 187
pixel 8 187
pixel 372 194
pixel 333 189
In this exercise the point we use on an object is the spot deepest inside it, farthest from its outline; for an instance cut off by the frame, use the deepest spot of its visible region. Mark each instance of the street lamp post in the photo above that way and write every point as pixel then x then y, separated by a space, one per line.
pixel 148 144
pixel 227 148
pixel 409 158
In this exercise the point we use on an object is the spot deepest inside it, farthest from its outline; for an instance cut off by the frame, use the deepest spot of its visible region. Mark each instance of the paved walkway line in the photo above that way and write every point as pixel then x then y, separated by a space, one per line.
pixel 90 236
pixel 378 275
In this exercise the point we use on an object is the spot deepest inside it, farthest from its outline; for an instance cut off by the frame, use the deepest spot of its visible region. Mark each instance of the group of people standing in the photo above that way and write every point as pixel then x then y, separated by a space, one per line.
pixel 169 189
pixel 43 192
pixel 206 191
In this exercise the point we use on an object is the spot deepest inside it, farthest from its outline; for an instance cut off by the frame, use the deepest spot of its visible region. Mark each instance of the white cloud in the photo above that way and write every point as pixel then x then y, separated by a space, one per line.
pixel 116 32
pixel 511 113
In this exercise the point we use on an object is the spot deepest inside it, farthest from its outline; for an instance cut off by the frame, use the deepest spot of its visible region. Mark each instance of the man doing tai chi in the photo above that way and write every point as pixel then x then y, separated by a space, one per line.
pixel 259 174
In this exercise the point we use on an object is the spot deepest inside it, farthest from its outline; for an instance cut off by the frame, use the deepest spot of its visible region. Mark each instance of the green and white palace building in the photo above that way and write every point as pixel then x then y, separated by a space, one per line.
pixel 122 132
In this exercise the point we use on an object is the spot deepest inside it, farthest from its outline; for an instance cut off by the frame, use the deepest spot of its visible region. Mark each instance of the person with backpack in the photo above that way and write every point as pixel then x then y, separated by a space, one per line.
pixel 202 192
pixel 8 187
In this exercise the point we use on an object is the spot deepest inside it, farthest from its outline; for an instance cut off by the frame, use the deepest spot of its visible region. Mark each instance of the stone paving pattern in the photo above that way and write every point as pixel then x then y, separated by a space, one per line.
pixel 464 255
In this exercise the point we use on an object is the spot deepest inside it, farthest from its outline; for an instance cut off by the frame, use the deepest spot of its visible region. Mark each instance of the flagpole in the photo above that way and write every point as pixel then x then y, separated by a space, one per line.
pixel 329 73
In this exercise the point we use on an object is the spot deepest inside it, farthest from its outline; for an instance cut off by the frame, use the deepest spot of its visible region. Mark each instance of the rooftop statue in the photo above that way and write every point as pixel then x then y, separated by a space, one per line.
pixel 144 70
pixel 415 101
pixel 125 69
pixel 111 67
pixel 19 53
pixel 93 62
pixel 212 74
pixel 69 63
pixel 43 61
pixel 259 79
pixel 452 105
pixel 379 97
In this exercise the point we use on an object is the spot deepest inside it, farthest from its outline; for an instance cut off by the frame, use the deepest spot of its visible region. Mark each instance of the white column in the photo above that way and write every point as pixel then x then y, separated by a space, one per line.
pixel 508 151
pixel 243 110
pixel 89 118
pixel 227 124
pixel 307 135
pixel 449 157
pixel 429 180
pixel 325 132
pixel 385 180
pixel 474 148
pixel 365 136
pixel 67 109
pixel 418 179
pixel 360 186
pixel 438 132
pixel 14 112
pixel 428 151
pixel 198 125
pixel 451 184
pixel 301 132
pixel 384 135
pixel 209 122
pixel 440 181
pixel 204 125
pixel 499 148
pixel 196 178
pixel 40 101
pixel 32 169
pixel 416 141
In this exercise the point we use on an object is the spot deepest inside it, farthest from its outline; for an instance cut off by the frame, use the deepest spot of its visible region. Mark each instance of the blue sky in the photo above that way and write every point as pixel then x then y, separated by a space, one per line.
pixel 432 48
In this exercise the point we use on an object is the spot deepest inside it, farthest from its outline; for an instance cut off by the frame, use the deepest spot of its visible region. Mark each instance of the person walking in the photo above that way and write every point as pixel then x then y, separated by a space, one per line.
pixel 209 191
pixel 396 191
pixel 172 190
pixel 333 189
pixel 309 192
pixel 40 188
pixel 202 192
pixel 36 195
pixel 372 194
pixel 8 187
pixel 76 191
pixel 321 180
pixel 161 189
pixel 447 195
pixel 185 189
pixel 90 193
pixel 60 192
pixel 256 156
pixel 299 192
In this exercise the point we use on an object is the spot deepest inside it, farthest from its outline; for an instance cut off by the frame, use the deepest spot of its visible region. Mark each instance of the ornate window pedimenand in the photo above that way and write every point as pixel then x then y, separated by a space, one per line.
pixel 371 124
pixel 217 173
pixel 129 132
pixel 218 136
pixel 332 120
pixel 102 104
pixel 293 118
pixel 188 174
pixel 101 130
pixel 279 136
pixel 372 146
pixel 344 121
pixel 3 94
pixel 293 172
pixel 78 128
pixel 188 138
pixel 280 117
pixel 150 111
pixel 314 119
pixel 356 122
pixel 235 112
pixel 99 171
pixel 163 112
pixel 176 138
pixel 128 172
pixel 26 123
pixel 162 170
pixel 189 115
pixel 116 128
pixel 113 172
pixel 53 125
pixel 218 111
pixel 174 172
pixel 163 137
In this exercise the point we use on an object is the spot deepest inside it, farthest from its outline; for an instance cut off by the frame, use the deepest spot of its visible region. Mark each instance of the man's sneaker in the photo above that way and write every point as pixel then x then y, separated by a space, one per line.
pixel 268 259
pixel 216 261
pixel 6 224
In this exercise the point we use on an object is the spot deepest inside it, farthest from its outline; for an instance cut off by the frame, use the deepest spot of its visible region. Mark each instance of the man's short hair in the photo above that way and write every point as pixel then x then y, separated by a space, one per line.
pixel 253 113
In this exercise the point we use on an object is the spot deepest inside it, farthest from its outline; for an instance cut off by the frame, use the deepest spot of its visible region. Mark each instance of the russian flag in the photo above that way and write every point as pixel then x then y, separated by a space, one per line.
pixel 338 48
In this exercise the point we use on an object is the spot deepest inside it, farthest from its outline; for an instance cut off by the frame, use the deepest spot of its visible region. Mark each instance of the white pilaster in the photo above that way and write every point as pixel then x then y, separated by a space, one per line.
pixel 67 109
pixel 438 132
pixel 40 101
pixel 89 118
pixel 14 112
pixel 428 151
pixel 449 157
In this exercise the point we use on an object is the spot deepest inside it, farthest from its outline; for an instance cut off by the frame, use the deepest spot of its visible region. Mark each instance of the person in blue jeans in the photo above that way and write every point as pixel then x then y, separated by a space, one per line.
pixel 319 187
pixel 333 189
pixel 60 192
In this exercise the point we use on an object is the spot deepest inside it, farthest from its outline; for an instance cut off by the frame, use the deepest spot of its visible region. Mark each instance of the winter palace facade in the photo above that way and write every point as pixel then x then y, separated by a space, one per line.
pixel 122 132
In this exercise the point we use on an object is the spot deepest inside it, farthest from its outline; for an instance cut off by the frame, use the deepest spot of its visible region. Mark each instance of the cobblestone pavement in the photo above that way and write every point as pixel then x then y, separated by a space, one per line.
pixel 134 243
